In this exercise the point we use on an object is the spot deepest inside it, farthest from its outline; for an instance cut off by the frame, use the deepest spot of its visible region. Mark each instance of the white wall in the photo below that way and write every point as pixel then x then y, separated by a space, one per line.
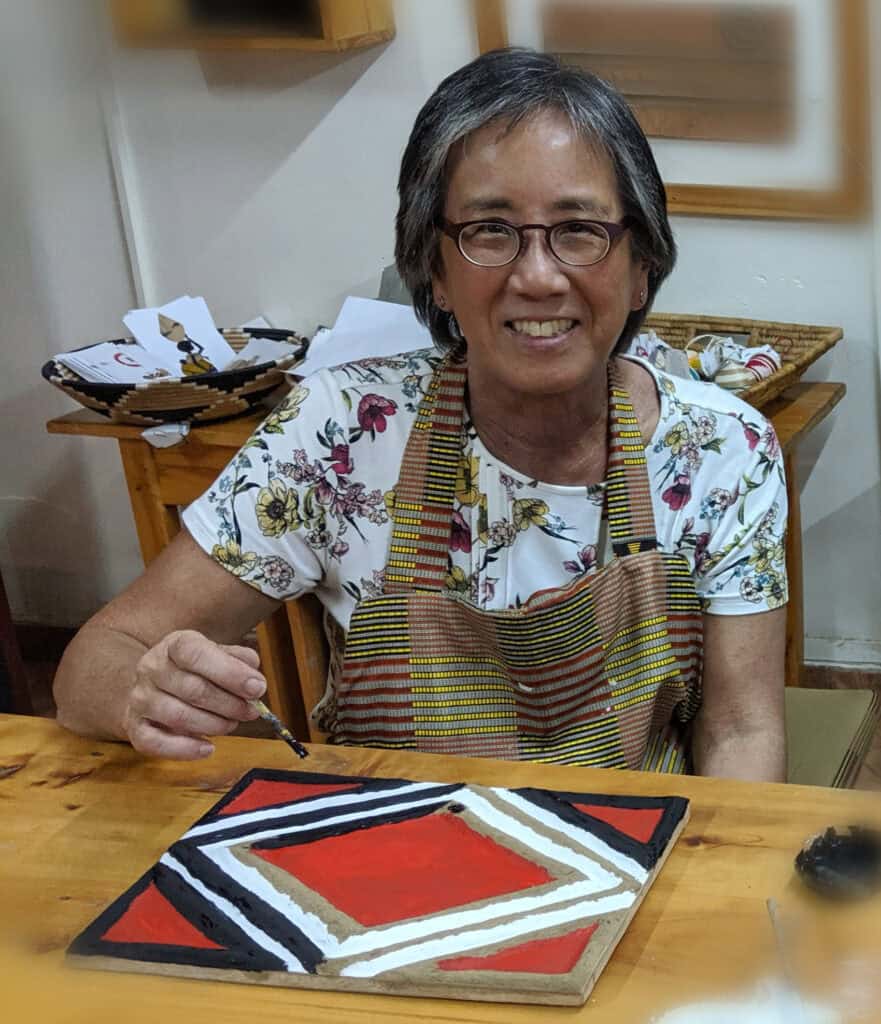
pixel 66 539
pixel 267 183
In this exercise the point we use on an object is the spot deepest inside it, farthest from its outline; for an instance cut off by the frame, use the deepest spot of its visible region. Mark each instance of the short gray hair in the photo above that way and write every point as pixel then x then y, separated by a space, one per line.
pixel 509 86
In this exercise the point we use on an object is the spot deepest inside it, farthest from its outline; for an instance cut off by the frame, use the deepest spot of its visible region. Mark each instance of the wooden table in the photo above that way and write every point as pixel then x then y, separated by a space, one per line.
pixel 160 480
pixel 81 820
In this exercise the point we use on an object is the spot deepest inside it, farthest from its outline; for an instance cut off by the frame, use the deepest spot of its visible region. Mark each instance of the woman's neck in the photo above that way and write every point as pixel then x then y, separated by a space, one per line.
pixel 558 439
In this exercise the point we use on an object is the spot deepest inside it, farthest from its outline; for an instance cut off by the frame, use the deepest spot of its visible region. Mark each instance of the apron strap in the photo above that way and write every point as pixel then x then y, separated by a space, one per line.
pixel 423 512
pixel 628 491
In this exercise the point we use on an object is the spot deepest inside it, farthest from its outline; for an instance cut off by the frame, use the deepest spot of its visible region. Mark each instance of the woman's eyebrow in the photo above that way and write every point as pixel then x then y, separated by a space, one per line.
pixel 490 203
pixel 583 204
pixel 566 204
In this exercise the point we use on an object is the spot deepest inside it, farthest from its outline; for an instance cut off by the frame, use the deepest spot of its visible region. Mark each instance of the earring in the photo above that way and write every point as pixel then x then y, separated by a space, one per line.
pixel 441 302
pixel 643 295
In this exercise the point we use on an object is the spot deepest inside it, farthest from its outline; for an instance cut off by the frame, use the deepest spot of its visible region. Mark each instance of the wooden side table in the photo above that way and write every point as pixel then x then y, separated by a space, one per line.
pixel 160 480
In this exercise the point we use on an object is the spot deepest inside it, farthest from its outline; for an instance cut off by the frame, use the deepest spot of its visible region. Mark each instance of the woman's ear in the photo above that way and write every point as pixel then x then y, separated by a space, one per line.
pixel 639 295
pixel 438 293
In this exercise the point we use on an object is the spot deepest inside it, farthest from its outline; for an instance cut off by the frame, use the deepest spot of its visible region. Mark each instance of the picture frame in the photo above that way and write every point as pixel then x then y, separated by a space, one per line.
pixel 846 197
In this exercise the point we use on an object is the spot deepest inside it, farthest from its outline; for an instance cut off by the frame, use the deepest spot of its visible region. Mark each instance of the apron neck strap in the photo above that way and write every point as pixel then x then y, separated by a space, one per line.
pixel 628 492
pixel 419 554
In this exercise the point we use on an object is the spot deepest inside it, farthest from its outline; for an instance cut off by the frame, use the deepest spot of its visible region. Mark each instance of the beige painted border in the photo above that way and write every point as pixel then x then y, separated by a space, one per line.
pixel 849 199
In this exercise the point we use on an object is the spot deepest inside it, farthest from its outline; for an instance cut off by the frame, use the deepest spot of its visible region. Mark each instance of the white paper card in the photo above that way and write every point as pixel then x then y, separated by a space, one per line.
pixel 262 350
pixel 364 328
pixel 114 362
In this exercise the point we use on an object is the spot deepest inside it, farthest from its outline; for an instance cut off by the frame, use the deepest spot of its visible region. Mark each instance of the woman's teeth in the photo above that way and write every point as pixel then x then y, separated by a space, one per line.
pixel 542 328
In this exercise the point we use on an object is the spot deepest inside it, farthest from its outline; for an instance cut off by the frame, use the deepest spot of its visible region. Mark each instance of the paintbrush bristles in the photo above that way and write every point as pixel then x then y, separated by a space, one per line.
pixel 280 729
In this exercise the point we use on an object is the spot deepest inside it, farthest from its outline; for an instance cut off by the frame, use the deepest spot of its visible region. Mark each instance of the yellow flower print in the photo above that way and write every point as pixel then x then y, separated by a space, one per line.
pixel 677 438
pixel 288 410
pixel 483 519
pixel 767 556
pixel 457 581
pixel 467 488
pixel 277 510
pixel 389 498
pixel 773 590
pixel 530 512
pixel 232 558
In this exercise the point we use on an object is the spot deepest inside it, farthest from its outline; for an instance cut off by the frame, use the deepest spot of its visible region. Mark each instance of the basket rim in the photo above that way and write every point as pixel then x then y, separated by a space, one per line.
pixel 50 372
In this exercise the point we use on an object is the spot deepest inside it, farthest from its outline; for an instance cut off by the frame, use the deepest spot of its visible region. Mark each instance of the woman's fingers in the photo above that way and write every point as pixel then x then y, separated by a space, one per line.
pixel 183 719
pixel 199 692
pixel 151 739
pixel 196 654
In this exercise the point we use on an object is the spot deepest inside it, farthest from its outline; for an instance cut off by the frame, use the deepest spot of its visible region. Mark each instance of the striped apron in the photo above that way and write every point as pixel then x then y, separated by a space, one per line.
pixel 605 671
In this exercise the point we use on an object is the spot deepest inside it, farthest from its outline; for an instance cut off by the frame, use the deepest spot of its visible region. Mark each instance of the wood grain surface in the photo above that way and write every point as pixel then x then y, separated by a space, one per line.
pixel 80 821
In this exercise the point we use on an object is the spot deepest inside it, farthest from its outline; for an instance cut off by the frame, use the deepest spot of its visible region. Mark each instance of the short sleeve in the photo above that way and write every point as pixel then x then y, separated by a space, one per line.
pixel 740 555
pixel 264 519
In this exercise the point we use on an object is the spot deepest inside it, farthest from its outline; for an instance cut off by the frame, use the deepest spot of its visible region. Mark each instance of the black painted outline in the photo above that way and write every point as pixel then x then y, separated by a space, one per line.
pixel 240 952
pixel 647 854
pixel 441 793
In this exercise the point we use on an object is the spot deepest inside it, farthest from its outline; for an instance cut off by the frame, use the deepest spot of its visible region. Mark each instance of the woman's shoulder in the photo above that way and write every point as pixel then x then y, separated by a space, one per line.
pixel 397 371
pixel 680 397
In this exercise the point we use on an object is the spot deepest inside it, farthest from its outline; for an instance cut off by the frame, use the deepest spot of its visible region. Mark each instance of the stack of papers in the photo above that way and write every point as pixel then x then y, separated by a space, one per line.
pixel 177 340
pixel 364 328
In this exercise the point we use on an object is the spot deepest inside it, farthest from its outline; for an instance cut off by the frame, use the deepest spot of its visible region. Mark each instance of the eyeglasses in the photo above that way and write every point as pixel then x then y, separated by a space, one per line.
pixel 496 243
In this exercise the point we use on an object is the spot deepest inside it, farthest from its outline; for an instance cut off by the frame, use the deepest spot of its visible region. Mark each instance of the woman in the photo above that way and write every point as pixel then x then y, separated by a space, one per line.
pixel 528 546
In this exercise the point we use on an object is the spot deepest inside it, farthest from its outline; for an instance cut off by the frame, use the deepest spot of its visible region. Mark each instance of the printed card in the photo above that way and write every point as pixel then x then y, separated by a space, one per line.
pixel 182 336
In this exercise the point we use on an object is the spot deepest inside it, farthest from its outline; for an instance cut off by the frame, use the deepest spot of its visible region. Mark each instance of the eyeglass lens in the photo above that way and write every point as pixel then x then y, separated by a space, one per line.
pixel 578 243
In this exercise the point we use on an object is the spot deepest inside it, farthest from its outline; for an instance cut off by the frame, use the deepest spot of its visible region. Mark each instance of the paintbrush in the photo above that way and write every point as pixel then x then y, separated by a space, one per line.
pixel 279 728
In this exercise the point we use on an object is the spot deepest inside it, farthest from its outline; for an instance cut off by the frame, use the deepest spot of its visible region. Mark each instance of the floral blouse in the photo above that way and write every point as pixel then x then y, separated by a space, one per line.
pixel 304 506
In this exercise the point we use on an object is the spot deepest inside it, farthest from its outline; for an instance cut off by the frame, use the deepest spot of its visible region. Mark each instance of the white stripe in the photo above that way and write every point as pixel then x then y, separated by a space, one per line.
pixel 583 838
pixel 516 829
pixel 269 813
pixel 260 938
pixel 454 945
pixel 255 882
pixel 355 945
pixel 342 819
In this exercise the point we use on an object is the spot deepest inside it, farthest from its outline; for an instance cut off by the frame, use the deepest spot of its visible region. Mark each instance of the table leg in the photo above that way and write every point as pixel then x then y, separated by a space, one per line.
pixel 795 625
pixel 156 523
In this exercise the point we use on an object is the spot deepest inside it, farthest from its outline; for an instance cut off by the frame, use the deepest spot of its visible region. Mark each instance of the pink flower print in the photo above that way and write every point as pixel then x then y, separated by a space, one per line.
pixel 701 557
pixel 679 495
pixel 460 534
pixel 342 464
pixel 752 436
pixel 587 561
pixel 770 443
pixel 372 412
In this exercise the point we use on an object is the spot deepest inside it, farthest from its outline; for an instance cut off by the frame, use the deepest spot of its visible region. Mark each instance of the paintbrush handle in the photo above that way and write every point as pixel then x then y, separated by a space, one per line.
pixel 279 728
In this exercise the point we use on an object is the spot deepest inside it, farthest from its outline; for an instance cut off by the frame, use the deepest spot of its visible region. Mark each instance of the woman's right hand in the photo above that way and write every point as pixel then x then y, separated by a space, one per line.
pixel 188 688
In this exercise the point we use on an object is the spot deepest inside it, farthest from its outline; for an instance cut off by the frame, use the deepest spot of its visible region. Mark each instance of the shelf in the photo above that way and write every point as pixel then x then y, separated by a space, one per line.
pixel 300 25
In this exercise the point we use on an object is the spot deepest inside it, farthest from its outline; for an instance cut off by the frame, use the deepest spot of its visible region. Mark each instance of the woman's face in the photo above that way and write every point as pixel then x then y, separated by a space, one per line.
pixel 541 172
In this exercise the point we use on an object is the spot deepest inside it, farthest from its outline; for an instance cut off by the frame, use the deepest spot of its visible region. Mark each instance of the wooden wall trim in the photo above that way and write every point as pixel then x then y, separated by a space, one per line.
pixel 850 199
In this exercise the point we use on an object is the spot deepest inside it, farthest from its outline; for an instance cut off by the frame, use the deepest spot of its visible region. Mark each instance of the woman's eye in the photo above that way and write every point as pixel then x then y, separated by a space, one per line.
pixel 578 227
pixel 494 229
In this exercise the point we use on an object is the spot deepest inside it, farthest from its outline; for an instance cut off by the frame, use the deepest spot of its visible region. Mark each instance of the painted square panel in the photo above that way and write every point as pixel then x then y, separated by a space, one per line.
pixel 392 886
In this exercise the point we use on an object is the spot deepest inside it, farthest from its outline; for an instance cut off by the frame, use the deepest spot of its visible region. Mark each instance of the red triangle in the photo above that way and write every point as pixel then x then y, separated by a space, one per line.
pixel 637 822
pixel 541 956
pixel 151 919
pixel 264 793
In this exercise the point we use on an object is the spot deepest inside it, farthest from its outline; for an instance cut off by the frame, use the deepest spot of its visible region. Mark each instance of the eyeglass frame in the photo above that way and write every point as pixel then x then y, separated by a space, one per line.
pixel 613 229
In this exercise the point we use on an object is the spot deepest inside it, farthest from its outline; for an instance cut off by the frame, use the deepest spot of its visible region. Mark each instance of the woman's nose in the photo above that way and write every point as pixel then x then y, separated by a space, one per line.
pixel 537 271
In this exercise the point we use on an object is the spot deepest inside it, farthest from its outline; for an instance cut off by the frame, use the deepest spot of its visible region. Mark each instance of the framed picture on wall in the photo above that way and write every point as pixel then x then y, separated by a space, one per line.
pixel 753 109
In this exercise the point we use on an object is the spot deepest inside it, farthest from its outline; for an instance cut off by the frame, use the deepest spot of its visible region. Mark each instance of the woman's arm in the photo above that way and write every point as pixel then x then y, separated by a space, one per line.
pixel 739 732
pixel 158 665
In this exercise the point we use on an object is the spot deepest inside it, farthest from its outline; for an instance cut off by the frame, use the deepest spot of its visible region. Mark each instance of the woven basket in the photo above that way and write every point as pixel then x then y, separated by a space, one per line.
pixel 798 345
pixel 199 399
